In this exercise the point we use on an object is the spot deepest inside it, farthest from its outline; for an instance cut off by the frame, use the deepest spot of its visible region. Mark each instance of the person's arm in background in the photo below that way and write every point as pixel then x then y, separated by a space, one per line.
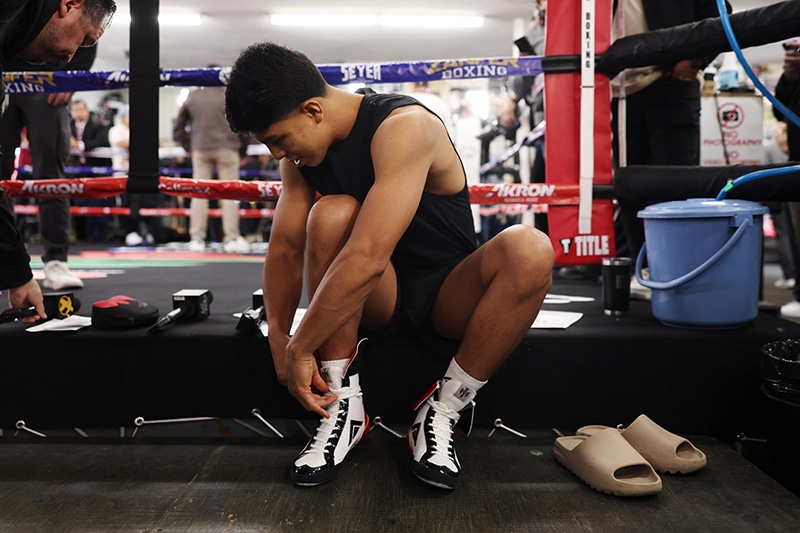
pixel 516 88
pixel 179 132
pixel 787 92
pixel 688 69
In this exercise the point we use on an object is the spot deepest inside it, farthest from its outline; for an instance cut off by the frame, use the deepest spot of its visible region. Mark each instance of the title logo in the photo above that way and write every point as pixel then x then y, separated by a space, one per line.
pixel 586 245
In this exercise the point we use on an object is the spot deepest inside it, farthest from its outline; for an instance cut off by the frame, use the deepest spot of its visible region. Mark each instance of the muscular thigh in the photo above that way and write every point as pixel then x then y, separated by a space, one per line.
pixel 514 264
pixel 459 294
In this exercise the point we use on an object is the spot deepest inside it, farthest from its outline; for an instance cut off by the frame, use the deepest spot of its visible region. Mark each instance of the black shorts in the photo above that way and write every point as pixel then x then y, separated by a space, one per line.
pixel 416 294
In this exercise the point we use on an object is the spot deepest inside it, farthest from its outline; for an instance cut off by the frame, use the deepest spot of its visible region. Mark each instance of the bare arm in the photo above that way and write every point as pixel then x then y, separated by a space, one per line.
pixel 283 268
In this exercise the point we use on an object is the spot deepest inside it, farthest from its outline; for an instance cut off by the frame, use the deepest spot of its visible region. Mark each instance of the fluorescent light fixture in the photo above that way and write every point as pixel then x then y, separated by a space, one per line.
pixel 332 20
pixel 316 19
pixel 165 19
pixel 179 19
pixel 415 21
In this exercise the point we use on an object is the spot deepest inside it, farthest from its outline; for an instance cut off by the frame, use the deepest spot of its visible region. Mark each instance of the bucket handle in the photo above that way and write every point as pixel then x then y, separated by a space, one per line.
pixel 664 285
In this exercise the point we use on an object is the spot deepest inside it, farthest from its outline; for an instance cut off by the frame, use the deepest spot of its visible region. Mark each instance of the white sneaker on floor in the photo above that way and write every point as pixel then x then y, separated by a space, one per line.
pixel 133 239
pixel 791 310
pixel 58 277
pixel 785 283
pixel 196 245
pixel 236 246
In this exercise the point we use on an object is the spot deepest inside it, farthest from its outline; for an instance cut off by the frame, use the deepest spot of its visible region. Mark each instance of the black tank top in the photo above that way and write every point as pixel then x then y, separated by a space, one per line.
pixel 441 232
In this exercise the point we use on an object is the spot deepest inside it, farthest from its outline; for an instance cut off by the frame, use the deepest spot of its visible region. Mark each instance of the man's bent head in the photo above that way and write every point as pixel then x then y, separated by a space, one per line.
pixel 266 84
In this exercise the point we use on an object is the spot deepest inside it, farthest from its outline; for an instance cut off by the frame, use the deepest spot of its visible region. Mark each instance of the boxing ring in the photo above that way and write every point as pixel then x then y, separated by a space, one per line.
pixel 137 397
pixel 580 186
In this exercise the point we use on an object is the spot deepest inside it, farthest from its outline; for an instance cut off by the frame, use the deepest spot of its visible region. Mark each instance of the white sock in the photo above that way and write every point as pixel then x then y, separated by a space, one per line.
pixel 333 372
pixel 458 387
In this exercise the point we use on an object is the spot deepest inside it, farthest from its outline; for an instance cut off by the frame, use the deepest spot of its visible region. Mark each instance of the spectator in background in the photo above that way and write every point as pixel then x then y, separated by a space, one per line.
pixel 88 134
pixel 28 224
pixel 529 90
pixel 660 105
pixel 203 131
pixel 119 139
pixel 662 102
pixel 138 230
pixel 788 93
pixel 47 119
pixel 776 152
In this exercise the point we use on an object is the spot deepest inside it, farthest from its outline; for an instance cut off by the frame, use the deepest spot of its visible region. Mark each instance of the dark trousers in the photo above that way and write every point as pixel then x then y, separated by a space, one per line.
pixel 786 238
pixel 794 236
pixel 48 137
pixel 662 128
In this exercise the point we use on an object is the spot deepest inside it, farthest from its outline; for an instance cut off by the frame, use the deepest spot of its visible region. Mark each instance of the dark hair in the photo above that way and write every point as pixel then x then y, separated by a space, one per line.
pixel 267 82
pixel 98 12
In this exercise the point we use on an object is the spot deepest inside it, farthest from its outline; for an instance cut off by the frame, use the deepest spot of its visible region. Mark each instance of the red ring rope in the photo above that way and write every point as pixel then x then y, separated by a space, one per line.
pixel 254 191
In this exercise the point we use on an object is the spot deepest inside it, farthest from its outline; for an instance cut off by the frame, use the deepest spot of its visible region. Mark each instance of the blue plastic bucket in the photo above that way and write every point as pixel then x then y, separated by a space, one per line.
pixel 704 261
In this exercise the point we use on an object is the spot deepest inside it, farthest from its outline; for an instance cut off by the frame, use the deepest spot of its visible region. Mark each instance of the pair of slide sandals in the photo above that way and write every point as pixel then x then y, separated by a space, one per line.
pixel 623 462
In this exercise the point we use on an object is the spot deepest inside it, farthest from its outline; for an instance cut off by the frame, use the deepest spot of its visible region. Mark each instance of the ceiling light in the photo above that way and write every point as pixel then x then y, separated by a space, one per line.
pixel 179 19
pixel 164 19
pixel 316 19
pixel 397 21
pixel 414 21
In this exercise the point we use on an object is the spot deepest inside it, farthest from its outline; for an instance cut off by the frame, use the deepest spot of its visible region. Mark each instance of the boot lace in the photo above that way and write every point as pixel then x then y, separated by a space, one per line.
pixel 333 425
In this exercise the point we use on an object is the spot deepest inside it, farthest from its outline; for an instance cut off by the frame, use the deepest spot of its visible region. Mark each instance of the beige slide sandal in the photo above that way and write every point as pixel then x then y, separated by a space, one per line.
pixel 608 463
pixel 667 452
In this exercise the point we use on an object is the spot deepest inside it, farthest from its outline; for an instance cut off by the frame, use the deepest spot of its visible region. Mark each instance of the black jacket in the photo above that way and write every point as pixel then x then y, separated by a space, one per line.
pixel 661 14
pixel 20 22
pixel 788 93
pixel 95 135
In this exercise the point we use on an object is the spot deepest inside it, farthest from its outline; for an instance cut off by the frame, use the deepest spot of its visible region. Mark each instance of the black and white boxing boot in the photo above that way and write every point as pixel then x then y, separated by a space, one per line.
pixel 322 458
pixel 430 437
